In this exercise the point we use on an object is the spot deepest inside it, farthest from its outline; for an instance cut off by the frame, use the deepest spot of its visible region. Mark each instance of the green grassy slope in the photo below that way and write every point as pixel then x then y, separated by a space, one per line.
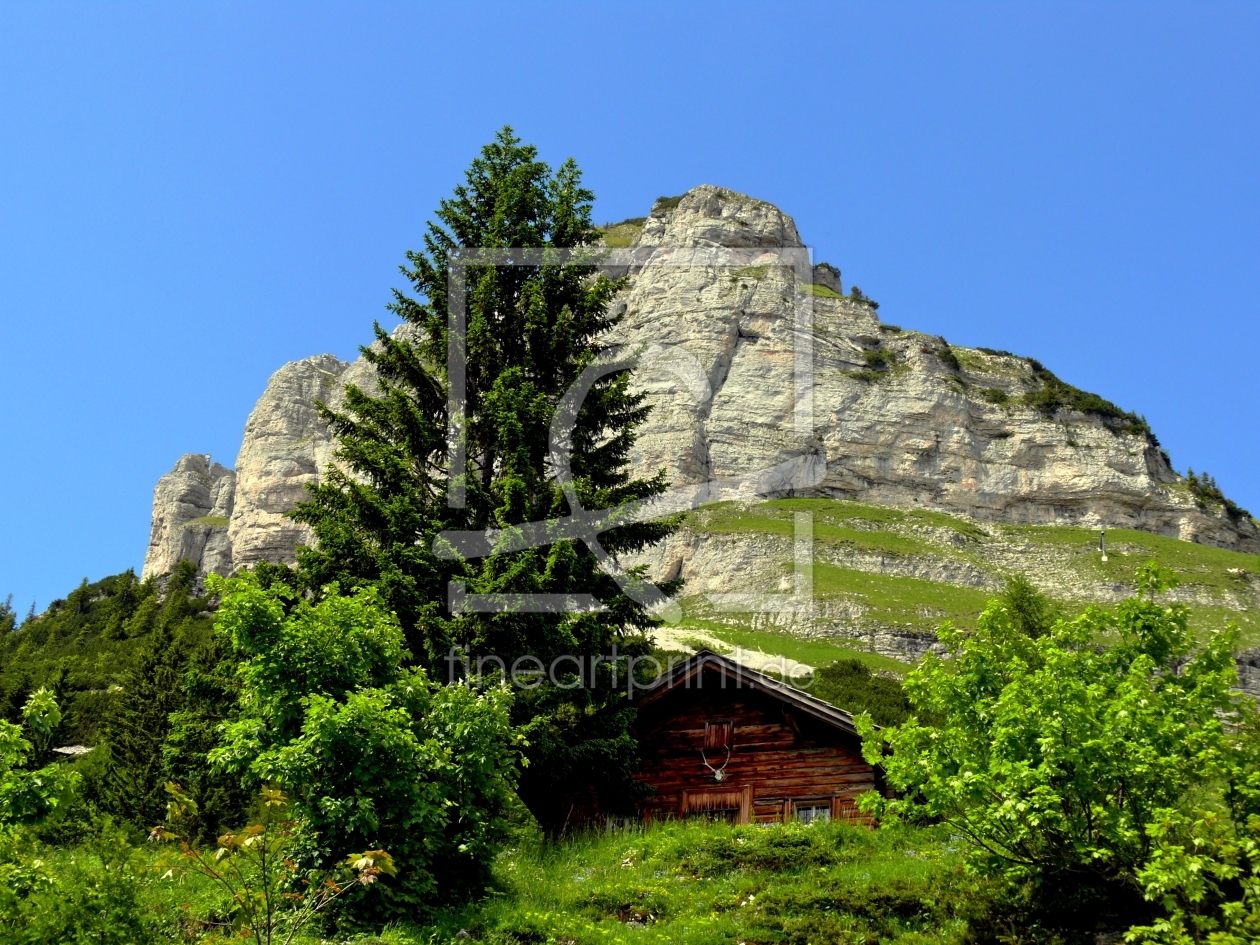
pixel 910 570
pixel 696 884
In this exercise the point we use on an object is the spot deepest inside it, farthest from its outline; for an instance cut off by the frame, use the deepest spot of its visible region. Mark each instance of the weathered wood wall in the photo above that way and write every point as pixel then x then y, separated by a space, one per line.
pixel 780 757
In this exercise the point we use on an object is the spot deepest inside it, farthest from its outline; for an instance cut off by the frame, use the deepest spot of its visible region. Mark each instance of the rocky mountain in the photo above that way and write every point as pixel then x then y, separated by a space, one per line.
pixel 899 418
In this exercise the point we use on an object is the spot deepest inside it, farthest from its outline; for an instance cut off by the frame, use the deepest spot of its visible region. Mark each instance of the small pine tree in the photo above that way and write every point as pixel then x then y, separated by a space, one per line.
pixel 140 721
pixel 209 688
pixel 136 730
pixel 1031 612
pixel 7 617
pixel 850 685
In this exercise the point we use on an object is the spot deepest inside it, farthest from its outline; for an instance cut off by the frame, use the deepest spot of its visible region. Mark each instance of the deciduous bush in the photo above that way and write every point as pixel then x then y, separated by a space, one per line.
pixel 373 756
pixel 1057 756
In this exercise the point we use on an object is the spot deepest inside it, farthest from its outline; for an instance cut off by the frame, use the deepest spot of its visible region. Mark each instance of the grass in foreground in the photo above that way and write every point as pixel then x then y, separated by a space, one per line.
pixel 704 884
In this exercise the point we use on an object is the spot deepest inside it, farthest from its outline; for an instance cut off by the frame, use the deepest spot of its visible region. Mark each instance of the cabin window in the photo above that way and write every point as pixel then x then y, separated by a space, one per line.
pixel 812 812
pixel 719 736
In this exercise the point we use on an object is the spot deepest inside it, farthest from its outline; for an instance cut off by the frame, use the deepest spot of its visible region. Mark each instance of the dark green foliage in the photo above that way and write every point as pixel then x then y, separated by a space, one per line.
pixel 667 203
pixel 850 685
pixel 890 329
pixel 84 645
pixel 1031 612
pixel 1054 395
pixel 531 332
pixel 7 617
pixel 995 395
pixel 208 699
pixel 1207 494
pixel 880 360
pixel 878 363
pixel 855 295
pixel 947 356
pixel 137 713
pixel 136 729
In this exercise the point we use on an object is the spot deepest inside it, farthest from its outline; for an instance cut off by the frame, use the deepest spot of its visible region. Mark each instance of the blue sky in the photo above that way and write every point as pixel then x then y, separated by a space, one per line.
pixel 193 194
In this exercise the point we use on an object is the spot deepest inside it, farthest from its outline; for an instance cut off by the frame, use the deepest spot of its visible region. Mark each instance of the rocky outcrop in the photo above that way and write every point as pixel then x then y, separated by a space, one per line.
pixel 241 520
pixel 192 505
pixel 286 445
pixel 898 417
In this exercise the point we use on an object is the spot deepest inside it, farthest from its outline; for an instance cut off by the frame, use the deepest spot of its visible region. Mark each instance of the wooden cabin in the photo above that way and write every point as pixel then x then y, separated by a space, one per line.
pixel 719 740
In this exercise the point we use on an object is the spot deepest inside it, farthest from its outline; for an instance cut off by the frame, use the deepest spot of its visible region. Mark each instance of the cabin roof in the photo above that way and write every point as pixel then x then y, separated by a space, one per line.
pixel 682 676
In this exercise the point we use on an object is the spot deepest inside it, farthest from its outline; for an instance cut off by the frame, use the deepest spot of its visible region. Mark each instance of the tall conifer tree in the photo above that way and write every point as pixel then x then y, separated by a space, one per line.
pixel 531 331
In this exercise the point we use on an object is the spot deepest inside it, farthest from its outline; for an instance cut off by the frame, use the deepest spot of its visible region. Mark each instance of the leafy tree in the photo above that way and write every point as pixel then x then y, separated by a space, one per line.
pixel 531 332
pixel 1205 866
pixel 1056 756
pixel 29 796
pixel 374 755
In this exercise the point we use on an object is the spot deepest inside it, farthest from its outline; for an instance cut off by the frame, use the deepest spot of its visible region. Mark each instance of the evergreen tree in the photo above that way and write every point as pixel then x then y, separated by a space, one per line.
pixel 140 720
pixel 7 617
pixel 1031 612
pixel 210 698
pixel 531 331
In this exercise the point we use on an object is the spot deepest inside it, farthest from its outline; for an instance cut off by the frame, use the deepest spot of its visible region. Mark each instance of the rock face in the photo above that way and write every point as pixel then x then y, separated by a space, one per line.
pixel 240 520
pixel 285 446
pixel 192 505
pixel 898 417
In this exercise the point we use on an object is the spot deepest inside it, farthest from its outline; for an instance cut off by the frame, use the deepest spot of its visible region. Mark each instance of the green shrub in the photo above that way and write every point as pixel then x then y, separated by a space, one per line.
pixel 855 295
pixel 995 395
pixel 880 360
pixel 667 204
pixel 947 356
pixel 1207 495
pixel 92 893
pixel 890 329
pixel 1057 757
pixel 850 685
pixel 1054 395
pixel 374 756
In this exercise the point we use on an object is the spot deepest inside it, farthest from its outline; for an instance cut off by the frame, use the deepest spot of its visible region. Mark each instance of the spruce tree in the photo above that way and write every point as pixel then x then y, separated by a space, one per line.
pixel 140 720
pixel 133 787
pixel 531 331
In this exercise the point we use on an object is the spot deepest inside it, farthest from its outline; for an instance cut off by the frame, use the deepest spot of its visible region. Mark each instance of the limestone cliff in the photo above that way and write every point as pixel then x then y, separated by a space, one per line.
pixel 900 418
pixel 192 505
